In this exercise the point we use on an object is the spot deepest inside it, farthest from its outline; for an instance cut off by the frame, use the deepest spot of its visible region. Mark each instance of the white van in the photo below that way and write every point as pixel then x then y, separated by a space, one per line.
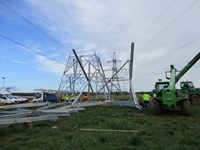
pixel 6 98
pixel 20 99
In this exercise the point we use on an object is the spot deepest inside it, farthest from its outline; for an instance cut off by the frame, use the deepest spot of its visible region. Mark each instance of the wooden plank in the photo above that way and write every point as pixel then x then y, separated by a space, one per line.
pixel 26 119
pixel 29 113
pixel 13 112
pixel 109 130
pixel 75 109
pixel 63 115
pixel 13 115
pixel 52 105
pixel 58 111
pixel 37 104
pixel 63 110
pixel 123 103
pixel 88 104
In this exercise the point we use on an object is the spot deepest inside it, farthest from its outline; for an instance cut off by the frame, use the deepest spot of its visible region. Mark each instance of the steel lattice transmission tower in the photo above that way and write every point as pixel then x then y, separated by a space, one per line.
pixel 115 80
pixel 83 74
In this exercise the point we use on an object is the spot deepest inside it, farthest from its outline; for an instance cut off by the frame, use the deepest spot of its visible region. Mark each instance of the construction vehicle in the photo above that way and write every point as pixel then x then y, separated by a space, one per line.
pixel 189 88
pixel 43 95
pixel 170 97
pixel 7 98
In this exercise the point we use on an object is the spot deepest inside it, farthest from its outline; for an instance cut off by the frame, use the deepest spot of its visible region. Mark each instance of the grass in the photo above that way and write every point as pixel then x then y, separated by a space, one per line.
pixel 168 131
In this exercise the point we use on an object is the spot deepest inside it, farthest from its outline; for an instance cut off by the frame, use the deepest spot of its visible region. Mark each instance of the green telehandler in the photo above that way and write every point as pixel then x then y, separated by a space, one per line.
pixel 167 96
pixel 189 88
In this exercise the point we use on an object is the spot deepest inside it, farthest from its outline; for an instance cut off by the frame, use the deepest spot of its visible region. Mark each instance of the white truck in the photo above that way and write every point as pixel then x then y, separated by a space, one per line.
pixel 7 98
pixel 43 95
pixel 20 99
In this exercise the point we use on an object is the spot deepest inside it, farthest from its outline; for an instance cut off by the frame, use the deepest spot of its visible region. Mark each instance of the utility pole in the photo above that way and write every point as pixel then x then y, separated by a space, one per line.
pixel 3 78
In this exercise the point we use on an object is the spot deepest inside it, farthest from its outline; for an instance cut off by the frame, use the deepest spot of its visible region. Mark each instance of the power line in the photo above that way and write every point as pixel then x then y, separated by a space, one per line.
pixel 173 21
pixel 183 46
pixel 176 50
pixel 72 20
pixel 30 49
pixel 147 29
pixel 29 22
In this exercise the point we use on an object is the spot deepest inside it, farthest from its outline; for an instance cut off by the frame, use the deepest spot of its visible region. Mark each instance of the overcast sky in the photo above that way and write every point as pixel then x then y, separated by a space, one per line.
pixel 34 33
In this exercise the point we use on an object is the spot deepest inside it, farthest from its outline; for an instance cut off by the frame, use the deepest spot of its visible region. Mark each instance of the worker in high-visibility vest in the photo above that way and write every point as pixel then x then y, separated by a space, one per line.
pixel 146 99
pixel 73 97
pixel 66 98
pixel 85 97
pixel 63 97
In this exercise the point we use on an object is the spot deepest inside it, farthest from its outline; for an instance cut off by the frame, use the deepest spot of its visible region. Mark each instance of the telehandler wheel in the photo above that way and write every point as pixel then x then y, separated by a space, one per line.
pixel 194 98
pixel 186 107
pixel 156 106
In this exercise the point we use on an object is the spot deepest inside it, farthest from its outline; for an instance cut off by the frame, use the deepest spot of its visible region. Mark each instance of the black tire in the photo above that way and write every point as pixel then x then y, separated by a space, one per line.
pixel 186 107
pixel 156 106
pixel 194 98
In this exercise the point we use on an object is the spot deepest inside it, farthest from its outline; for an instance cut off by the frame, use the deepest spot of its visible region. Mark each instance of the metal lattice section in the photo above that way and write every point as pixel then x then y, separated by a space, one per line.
pixel 74 79
pixel 85 74
pixel 115 85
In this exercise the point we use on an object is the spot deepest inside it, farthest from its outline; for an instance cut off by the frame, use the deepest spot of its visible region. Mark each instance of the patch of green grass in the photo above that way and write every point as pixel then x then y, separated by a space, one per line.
pixel 167 131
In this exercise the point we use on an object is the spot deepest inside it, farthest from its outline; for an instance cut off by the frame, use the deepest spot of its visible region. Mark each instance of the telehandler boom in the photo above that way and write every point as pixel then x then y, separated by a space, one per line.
pixel 167 95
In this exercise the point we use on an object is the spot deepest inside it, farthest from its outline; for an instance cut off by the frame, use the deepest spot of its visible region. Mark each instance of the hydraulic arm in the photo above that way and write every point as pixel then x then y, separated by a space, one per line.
pixel 168 95
pixel 187 67
pixel 175 78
